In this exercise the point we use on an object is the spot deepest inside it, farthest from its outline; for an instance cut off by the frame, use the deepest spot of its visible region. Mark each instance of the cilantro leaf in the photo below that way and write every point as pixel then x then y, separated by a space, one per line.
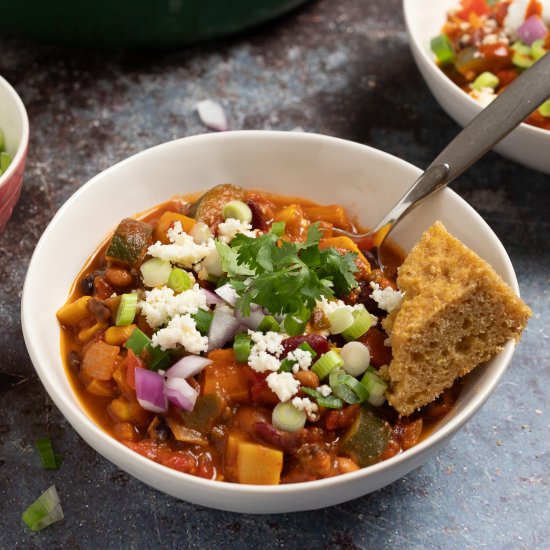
pixel 284 277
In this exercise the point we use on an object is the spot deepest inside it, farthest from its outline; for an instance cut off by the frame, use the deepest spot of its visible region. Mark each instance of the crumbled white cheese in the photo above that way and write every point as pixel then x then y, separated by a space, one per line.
pixel 483 96
pixel 183 250
pixel 270 342
pixel 261 361
pixel 162 303
pixel 181 330
pixel 301 357
pixel 387 299
pixel 490 39
pixel 228 229
pixel 324 390
pixel 305 404
pixel 283 385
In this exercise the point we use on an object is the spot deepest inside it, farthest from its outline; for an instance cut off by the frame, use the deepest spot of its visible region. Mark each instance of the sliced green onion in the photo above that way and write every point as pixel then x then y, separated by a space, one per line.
pixel 340 320
pixel 521 47
pixel 286 365
pixel 126 310
pixel 203 319
pixel 443 49
pixel 50 460
pixel 238 210
pixel 140 344
pixel 278 228
pixel 544 109
pixel 523 61
pixel 179 280
pixel 294 325
pixel 242 347
pixel 485 80
pixel 347 388
pixel 376 387
pixel 328 361
pixel 356 358
pixel 269 324
pixel 44 511
pixel 538 49
pixel 137 341
pixel 5 160
pixel 329 401
pixel 362 322
pixel 288 418
pixel 304 346
pixel 155 272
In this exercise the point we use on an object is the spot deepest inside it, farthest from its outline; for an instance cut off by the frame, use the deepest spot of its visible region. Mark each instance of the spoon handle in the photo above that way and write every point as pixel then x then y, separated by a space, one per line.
pixel 494 122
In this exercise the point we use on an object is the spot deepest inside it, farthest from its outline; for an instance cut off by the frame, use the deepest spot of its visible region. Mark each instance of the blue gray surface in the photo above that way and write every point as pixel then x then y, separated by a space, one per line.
pixel 339 68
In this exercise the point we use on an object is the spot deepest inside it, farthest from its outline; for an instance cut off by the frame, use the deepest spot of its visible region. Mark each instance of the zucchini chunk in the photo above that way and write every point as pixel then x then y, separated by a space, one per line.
pixel 129 243
pixel 209 207
pixel 366 439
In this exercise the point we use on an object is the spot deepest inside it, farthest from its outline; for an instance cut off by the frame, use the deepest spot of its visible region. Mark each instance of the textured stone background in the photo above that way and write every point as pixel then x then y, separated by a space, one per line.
pixel 339 68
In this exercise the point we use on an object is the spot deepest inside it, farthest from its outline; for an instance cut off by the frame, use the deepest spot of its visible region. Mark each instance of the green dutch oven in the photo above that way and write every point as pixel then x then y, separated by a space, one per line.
pixel 137 23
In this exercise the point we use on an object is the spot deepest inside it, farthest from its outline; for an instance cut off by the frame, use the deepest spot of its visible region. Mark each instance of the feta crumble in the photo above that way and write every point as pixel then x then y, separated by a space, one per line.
pixel 302 359
pixel 387 299
pixel 261 361
pixel 162 303
pixel 228 229
pixel 483 96
pixel 283 385
pixel 324 390
pixel 270 342
pixel 183 250
pixel 305 404
pixel 181 330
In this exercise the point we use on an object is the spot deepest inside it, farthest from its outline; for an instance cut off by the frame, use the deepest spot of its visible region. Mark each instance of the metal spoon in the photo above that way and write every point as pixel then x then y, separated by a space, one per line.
pixel 494 122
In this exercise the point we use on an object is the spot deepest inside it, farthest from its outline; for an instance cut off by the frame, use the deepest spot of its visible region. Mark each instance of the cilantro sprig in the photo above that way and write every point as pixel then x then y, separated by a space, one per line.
pixel 286 278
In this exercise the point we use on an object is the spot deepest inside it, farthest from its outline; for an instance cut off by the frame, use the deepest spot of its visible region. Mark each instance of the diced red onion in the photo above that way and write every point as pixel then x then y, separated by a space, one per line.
pixel 212 115
pixel 254 319
pixel 180 393
pixel 188 366
pixel 533 28
pixel 211 297
pixel 223 327
pixel 150 391
pixel 228 293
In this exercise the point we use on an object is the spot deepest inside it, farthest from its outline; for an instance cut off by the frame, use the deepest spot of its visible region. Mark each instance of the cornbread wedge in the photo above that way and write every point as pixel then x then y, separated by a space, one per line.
pixel 456 313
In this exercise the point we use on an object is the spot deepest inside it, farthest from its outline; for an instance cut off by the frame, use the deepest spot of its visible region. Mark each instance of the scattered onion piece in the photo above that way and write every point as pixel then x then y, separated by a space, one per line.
pixel 188 366
pixel 212 115
pixel 180 393
pixel 150 391
pixel 533 28
pixel 228 293
pixel 211 297
pixel 223 327
pixel 254 319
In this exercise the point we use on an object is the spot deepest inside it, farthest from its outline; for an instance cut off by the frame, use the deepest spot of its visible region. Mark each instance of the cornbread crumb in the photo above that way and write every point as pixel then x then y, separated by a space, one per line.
pixel 456 313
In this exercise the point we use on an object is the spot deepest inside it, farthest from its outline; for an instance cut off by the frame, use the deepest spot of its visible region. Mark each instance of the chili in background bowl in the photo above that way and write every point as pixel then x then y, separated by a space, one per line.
pixel 329 170
pixel 424 20
pixel 14 124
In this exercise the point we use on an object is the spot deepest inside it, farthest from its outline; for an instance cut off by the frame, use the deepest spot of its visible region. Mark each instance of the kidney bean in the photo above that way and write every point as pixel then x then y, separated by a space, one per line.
pixel 258 218
pixel 317 342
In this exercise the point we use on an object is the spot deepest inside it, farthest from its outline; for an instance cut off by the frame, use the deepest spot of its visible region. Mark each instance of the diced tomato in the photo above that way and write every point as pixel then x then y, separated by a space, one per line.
pixel 182 461
pixel 380 354
pixel 146 447
pixel 479 7
pixel 134 362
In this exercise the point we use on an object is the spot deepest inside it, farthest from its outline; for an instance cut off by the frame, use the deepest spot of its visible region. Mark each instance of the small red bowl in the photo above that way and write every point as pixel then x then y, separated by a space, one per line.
pixel 14 123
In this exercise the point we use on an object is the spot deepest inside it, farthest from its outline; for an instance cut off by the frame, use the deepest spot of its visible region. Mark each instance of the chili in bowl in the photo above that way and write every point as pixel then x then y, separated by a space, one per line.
pixel 229 385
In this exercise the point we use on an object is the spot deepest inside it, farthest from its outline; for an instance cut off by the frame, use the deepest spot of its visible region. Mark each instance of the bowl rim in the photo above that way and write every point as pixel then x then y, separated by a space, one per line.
pixel 24 141
pixel 410 10
pixel 98 439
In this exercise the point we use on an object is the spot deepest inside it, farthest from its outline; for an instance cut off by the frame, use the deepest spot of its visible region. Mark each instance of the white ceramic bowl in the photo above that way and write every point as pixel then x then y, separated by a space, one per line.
pixel 424 19
pixel 325 169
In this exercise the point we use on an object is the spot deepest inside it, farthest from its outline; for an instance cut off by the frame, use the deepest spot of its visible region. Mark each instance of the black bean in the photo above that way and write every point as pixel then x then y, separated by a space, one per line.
pixel 372 257
pixel 87 284
pixel 74 361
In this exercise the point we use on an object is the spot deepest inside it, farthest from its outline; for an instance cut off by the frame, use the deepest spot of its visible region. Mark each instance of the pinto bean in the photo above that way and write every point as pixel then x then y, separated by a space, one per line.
pixel 307 378
pixel 118 276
